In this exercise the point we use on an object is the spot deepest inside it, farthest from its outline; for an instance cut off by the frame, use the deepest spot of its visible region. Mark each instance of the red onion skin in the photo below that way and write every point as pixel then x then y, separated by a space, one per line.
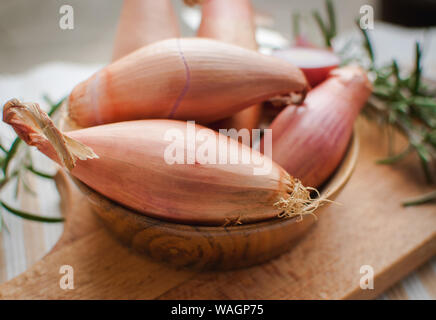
pixel 309 141
pixel 317 75
pixel 326 61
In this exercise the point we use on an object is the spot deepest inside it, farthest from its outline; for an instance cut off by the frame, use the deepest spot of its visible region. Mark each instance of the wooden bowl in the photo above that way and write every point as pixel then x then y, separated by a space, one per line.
pixel 204 247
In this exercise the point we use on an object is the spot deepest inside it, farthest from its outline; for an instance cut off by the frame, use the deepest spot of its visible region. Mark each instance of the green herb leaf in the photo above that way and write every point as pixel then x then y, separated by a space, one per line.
pixel 10 154
pixel 332 18
pixel 328 29
pixel 395 158
pixel 323 28
pixel 368 45
pixel 55 107
pixel 39 173
pixel 426 198
pixel 418 68
pixel 30 216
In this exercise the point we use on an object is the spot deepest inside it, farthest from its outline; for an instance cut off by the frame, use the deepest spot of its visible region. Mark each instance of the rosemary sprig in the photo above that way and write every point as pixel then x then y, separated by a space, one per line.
pixel 399 100
pixel 328 28
pixel 23 166
pixel 408 107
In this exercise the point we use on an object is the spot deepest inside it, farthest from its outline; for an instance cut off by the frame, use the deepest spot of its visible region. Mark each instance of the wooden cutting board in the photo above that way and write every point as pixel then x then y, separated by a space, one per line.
pixel 367 227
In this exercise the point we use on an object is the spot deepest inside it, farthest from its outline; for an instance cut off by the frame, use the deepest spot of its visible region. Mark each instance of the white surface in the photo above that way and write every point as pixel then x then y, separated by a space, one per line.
pixel 56 80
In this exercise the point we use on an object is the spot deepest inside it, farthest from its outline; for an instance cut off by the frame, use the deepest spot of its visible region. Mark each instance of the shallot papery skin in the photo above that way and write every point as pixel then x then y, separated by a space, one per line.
pixel 186 79
pixel 131 163
pixel 309 141
pixel 143 22
pixel 233 22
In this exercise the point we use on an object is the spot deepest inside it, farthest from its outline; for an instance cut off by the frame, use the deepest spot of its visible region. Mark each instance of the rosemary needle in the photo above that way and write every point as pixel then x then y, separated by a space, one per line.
pixel 328 28
pixel 39 173
pixel 30 216
pixel 426 198
pixel 399 100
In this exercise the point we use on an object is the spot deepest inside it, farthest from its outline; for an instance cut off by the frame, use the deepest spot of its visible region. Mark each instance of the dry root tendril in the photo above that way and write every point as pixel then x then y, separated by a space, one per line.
pixel 300 202
pixel 232 221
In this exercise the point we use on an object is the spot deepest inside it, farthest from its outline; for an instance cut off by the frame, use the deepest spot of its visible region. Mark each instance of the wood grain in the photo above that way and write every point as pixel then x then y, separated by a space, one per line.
pixel 368 228
pixel 103 269
pixel 428 278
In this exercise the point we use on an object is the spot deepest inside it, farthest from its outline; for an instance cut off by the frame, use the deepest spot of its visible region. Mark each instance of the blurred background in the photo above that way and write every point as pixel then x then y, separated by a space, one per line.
pixel 30 33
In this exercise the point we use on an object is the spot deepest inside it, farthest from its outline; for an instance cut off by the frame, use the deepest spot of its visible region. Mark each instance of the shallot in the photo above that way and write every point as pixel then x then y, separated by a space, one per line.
pixel 168 169
pixel 310 141
pixel 186 79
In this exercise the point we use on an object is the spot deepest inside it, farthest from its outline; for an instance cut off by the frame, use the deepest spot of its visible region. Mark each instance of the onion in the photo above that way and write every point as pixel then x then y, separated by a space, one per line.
pixel 184 79
pixel 310 141
pixel 315 63
pixel 129 162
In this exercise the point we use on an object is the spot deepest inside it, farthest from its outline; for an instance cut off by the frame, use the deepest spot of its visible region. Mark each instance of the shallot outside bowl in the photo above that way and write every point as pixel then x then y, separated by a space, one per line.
pixel 206 247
